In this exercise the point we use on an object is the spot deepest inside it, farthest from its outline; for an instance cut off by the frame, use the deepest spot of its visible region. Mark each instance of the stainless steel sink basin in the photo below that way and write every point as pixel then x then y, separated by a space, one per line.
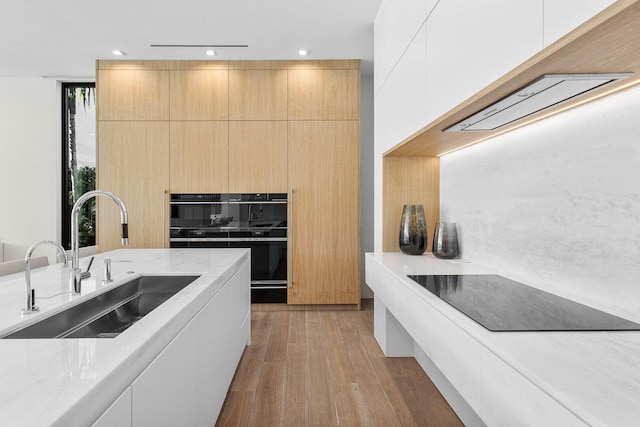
pixel 108 314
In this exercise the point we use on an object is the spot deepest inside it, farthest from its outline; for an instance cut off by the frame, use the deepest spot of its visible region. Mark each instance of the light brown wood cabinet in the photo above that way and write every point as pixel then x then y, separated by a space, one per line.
pixel 324 222
pixel 198 157
pixel 242 127
pixel 133 94
pixel 323 94
pixel 258 95
pixel 258 157
pixel 199 94
pixel 134 164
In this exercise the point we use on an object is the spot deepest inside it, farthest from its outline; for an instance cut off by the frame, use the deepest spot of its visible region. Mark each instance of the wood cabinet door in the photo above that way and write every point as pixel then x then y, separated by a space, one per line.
pixel 133 94
pixel 199 157
pixel 133 163
pixel 258 95
pixel 324 212
pixel 323 95
pixel 258 157
pixel 199 94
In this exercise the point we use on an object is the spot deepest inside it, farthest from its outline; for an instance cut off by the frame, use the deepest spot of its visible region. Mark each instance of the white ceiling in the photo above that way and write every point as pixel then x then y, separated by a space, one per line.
pixel 63 38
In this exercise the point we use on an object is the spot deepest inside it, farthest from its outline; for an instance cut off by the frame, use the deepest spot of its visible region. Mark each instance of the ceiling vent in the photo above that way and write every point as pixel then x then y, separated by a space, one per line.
pixel 545 92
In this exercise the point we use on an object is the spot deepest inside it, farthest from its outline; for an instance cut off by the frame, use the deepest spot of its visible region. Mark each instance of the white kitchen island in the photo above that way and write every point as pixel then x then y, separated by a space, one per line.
pixel 172 367
pixel 503 378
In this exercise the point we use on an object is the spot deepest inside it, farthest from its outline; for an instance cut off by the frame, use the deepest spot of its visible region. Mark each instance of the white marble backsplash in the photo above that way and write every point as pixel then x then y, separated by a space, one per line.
pixel 556 204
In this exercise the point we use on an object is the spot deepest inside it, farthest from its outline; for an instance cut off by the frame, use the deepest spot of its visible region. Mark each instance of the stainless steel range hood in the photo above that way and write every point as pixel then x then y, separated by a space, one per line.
pixel 545 92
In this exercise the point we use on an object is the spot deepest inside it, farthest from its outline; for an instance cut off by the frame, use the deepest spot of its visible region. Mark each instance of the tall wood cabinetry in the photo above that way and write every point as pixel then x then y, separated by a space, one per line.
pixel 238 127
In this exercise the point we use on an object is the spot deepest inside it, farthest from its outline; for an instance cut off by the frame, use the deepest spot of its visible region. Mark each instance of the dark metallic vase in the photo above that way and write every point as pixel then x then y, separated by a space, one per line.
pixel 413 230
pixel 445 241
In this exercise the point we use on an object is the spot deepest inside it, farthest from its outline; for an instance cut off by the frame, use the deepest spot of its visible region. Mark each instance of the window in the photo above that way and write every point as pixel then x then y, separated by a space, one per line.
pixel 78 159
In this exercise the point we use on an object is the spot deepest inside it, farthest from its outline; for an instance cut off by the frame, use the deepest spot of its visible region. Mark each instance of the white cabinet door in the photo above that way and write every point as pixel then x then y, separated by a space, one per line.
pixel 165 393
pixel 223 333
pixel 397 23
pixel 118 414
pixel 401 103
pixel 562 16
pixel 471 44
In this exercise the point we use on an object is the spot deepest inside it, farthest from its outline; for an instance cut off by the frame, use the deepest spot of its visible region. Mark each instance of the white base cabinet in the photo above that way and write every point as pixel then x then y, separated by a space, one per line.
pixel 186 384
pixel 165 393
pixel 118 414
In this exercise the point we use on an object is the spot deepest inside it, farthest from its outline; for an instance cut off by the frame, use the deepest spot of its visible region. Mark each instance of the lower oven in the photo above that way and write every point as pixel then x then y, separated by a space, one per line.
pixel 254 221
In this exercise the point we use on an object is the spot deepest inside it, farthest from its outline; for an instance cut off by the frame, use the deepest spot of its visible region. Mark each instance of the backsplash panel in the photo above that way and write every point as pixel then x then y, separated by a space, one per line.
pixel 556 204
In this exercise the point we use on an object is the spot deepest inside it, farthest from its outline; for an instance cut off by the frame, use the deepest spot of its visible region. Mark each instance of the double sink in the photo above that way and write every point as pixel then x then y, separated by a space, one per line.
pixel 108 314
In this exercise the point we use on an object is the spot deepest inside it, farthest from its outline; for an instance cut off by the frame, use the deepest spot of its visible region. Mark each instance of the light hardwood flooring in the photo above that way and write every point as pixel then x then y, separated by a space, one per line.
pixel 324 368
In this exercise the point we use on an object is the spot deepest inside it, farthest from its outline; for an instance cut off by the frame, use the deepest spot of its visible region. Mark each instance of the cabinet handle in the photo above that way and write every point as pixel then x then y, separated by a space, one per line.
pixel 164 218
pixel 290 238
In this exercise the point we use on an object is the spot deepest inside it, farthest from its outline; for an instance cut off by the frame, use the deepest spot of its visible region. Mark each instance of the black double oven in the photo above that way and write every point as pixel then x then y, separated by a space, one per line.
pixel 255 221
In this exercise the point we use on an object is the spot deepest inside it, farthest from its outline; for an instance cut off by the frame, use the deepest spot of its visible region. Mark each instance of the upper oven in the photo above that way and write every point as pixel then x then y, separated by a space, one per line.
pixel 255 221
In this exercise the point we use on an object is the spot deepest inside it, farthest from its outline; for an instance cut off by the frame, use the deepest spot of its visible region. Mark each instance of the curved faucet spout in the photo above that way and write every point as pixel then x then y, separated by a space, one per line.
pixel 29 302
pixel 75 280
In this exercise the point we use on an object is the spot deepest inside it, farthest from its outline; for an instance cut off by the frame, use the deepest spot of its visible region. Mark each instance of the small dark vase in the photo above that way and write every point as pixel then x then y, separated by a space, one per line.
pixel 413 230
pixel 445 241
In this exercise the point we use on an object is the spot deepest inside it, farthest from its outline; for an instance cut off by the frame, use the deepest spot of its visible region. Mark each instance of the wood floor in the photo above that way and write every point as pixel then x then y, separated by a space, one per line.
pixel 324 368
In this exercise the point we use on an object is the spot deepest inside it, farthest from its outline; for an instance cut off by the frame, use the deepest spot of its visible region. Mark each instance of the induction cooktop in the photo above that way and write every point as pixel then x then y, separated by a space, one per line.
pixel 503 305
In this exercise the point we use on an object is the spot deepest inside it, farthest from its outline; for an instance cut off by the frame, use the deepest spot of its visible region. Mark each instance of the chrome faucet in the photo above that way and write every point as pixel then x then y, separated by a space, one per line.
pixel 29 295
pixel 75 277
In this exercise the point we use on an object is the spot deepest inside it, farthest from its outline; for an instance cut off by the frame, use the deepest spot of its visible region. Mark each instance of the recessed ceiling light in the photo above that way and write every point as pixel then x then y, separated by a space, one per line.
pixel 117 52
pixel 210 52
pixel 303 52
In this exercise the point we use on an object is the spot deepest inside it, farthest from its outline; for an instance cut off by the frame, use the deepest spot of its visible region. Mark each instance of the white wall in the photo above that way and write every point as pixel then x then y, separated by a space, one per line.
pixel 556 204
pixel 29 164
pixel 366 174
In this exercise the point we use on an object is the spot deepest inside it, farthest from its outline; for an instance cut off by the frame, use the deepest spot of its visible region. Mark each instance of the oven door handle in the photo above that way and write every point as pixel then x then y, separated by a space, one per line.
pixel 256 239
pixel 268 282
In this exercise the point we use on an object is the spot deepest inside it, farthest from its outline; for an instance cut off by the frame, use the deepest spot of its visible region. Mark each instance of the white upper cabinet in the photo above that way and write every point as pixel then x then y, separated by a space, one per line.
pixel 397 23
pixel 471 44
pixel 562 16
pixel 401 103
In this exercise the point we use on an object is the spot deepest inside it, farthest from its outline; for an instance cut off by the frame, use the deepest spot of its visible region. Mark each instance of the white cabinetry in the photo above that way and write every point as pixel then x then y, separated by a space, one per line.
pixel 223 331
pixel 397 23
pixel 187 383
pixel 118 414
pixel 401 104
pixel 165 393
pixel 472 44
pixel 562 16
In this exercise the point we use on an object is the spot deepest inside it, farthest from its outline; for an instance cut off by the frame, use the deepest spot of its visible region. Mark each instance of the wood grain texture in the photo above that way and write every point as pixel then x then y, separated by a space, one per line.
pixel 316 377
pixel 409 180
pixel 199 153
pixel 216 64
pixel 606 43
pixel 304 307
pixel 258 65
pixel 324 203
pixel 323 94
pixel 132 94
pixel 199 94
pixel 324 64
pixel 123 147
pixel 128 64
pixel 258 157
pixel 257 95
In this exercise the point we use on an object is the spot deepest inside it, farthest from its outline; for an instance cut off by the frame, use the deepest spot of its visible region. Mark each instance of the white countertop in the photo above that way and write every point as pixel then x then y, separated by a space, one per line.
pixel 595 375
pixel 68 382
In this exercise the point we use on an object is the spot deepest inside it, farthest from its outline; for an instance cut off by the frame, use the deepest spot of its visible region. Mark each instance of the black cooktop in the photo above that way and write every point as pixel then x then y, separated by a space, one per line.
pixel 503 305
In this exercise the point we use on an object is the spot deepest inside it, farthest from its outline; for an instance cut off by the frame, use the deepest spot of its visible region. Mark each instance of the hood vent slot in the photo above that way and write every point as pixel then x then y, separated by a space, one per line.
pixel 545 92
